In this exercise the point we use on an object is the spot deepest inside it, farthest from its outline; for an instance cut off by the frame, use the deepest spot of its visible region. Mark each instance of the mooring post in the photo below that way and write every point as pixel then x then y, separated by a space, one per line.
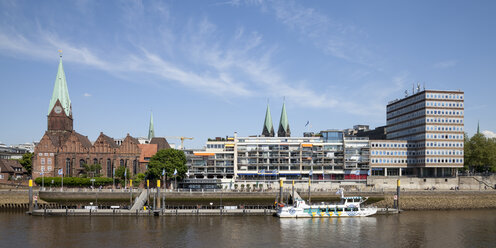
pixel 280 191
pixel 30 196
pixel 292 193
pixel 157 194
pixel 398 195
pixel 130 193
pixel 163 194
pixel 309 196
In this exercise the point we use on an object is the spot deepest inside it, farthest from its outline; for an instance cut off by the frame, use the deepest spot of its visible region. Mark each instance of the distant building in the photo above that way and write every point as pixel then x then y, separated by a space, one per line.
pixel 63 149
pixel 12 152
pixel 11 169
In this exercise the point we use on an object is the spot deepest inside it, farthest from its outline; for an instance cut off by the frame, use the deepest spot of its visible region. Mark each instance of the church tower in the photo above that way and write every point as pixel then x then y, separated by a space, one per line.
pixel 151 130
pixel 268 128
pixel 60 108
pixel 283 130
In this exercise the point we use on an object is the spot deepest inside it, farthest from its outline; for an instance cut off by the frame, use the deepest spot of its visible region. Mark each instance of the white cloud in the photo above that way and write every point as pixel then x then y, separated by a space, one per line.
pixel 445 64
pixel 489 134
pixel 325 33
pixel 238 66
pixel 86 94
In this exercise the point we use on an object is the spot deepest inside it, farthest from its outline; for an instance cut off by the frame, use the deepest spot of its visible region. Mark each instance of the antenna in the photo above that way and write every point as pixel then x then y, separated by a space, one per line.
pixel 418 87
pixel 406 93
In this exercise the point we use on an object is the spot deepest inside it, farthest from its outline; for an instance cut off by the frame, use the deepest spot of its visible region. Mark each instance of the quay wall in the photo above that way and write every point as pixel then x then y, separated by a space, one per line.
pixel 414 183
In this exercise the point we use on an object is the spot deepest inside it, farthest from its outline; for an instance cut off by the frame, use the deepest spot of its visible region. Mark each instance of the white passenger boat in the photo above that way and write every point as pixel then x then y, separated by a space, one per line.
pixel 348 207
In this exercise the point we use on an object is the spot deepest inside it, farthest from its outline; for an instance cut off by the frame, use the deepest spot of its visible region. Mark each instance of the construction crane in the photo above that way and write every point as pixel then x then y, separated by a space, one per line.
pixel 182 138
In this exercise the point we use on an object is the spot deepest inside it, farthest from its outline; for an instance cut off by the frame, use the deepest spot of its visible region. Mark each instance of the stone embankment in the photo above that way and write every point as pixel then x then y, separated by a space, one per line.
pixel 442 200
pixel 409 200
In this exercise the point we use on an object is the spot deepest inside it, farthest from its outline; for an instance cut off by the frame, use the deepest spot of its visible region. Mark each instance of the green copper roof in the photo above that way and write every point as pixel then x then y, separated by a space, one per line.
pixel 60 92
pixel 151 130
pixel 478 129
pixel 284 118
pixel 268 129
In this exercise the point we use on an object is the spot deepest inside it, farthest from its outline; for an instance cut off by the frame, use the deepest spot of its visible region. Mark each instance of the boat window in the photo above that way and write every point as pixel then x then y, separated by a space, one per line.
pixel 340 209
pixel 348 209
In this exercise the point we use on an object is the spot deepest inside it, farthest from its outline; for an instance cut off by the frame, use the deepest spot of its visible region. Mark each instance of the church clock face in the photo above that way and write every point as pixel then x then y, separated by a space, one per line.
pixel 58 109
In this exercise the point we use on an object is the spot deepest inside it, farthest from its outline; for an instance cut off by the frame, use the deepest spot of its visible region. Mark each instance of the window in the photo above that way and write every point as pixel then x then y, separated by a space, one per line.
pixel 109 168
pixel 135 167
pixel 81 163
pixel 49 160
pixel 49 168
pixel 42 160
pixel 68 171
pixel 1 176
pixel 95 161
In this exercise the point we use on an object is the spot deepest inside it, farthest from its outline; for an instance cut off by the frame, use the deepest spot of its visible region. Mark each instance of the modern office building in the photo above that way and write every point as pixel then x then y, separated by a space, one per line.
pixel 424 136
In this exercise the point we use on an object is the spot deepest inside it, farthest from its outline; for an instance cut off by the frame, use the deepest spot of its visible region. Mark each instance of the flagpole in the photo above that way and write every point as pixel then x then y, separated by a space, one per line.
pixel 62 187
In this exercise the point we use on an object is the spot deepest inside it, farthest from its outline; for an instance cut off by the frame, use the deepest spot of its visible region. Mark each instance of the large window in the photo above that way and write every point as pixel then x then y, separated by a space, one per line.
pixel 109 168
pixel 135 167
pixel 68 171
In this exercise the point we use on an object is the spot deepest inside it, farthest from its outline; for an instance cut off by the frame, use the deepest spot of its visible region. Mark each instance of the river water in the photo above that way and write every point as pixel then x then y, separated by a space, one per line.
pixel 468 228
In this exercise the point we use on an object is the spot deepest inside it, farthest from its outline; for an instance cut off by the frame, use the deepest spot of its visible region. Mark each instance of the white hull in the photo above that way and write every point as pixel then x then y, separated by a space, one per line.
pixel 349 207
pixel 292 212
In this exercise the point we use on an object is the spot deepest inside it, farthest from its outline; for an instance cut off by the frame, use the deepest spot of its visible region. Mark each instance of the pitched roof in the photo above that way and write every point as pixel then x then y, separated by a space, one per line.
pixel 133 139
pixel 5 167
pixel 9 165
pixel 161 143
pixel 58 138
pixel 60 91
pixel 108 140
pixel 84 140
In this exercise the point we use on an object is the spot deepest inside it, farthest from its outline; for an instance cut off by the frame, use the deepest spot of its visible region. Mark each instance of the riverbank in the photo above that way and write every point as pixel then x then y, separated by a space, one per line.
pixel 409 200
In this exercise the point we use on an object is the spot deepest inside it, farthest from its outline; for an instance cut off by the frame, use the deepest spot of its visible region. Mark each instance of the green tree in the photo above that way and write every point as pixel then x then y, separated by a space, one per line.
pixel 92 170
pixel 170 160
pixel 26 162
pixel 138 178
pixel 119 173
pixel 480 153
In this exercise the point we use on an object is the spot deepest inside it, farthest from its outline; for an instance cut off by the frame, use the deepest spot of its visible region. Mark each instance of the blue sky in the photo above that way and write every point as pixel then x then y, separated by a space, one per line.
pixel 207 68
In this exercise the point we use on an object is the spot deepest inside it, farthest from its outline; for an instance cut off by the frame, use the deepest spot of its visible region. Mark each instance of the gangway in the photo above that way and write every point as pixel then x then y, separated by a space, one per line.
pixel 140 202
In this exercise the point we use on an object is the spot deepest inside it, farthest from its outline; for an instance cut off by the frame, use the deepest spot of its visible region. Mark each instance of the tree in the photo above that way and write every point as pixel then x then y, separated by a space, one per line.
pixel 138 178
pixel 92 170
pixel 170 160
pixel 119 173
pixel 480 153
pixel 26 162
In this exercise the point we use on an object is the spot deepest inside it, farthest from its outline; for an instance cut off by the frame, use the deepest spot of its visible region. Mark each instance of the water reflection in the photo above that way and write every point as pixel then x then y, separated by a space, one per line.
pixel 452 229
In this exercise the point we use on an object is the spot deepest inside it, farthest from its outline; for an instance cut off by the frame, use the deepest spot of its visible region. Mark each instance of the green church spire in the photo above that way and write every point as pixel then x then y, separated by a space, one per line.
pixel 478 129
pixel 60 91
pixel 268 128
pixel 151 130
pixel 283 130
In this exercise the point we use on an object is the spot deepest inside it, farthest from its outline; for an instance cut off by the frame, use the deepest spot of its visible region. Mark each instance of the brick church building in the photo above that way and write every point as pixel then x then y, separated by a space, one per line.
pixel 61 147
